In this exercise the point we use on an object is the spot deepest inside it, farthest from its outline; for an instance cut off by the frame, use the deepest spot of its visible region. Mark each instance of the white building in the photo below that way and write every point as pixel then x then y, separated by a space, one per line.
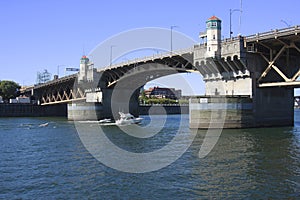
pixel 20 100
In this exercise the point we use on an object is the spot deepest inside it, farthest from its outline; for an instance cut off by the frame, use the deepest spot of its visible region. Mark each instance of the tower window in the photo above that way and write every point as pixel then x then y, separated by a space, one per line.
pixel 214 24
pixel 214 37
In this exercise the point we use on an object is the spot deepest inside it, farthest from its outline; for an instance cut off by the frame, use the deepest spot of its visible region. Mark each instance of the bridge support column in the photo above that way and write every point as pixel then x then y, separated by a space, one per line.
pixel 221 112
pixel 269 107
pixel 85 111
pixel 274 106
pixel 121 100
pixel 113 101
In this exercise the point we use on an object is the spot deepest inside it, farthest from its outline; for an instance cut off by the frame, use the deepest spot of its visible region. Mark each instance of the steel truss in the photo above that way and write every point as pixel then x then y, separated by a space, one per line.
pixel 273 46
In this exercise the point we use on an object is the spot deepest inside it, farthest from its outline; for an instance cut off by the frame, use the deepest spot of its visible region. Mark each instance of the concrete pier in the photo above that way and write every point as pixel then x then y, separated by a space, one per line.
pixel 274 108
pixel 221 112
pixel 93 111
pixel 85 111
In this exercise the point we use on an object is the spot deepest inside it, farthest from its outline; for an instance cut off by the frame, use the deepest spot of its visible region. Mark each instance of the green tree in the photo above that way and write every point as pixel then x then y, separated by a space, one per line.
pixel 9 89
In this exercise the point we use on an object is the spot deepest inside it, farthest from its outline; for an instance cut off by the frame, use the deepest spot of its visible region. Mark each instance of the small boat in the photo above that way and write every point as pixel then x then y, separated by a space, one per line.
pixel 128 119
pixel 105 121
pixel 44 125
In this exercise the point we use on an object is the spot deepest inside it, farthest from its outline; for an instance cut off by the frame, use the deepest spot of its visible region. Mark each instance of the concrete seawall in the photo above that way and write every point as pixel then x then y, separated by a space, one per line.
pixel 97 111
pixel 28 110
pixel 60 110
pixel 163 109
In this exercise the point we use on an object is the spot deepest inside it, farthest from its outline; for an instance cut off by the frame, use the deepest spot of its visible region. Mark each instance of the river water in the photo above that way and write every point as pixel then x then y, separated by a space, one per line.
pixel 51 162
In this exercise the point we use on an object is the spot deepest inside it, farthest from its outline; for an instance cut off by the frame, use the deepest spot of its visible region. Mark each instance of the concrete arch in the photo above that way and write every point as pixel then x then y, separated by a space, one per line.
pixel 228 58
pixel 235 57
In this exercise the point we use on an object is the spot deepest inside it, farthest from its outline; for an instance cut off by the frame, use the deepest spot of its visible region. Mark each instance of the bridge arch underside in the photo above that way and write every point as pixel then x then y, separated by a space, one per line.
pixel 121 86
pixel 174 62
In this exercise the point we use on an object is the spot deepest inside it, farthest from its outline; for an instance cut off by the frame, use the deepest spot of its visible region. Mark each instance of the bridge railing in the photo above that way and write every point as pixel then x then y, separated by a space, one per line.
pixel 152 57
pixel 55 81
pixel 272 33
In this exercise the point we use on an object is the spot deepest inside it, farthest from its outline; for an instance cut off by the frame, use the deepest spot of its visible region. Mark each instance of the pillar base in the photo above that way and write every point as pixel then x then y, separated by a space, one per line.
pixel 232 112
pixel 87 111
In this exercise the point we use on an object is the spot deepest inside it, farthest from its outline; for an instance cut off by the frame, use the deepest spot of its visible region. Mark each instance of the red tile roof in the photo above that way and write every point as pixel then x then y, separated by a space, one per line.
pixel 213 18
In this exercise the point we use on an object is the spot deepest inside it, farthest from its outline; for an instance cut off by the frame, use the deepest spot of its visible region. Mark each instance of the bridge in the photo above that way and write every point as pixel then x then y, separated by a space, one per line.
pixel 62 90
pixel 242 75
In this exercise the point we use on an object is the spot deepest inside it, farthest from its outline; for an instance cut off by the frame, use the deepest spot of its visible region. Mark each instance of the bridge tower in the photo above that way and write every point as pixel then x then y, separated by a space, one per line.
pixel 213 34
pixel 82 76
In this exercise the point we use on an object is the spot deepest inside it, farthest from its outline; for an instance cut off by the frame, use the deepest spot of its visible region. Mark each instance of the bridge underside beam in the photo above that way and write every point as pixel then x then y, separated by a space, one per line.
pixel 151 69
pixel 281 55
pixel 62 92
pixel 295 84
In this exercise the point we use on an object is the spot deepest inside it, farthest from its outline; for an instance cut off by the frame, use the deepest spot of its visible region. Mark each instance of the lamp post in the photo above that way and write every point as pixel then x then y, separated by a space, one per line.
pixel 111 52
pixel 58 66
pixel 230 13
pixel 172 37
pixel 283 21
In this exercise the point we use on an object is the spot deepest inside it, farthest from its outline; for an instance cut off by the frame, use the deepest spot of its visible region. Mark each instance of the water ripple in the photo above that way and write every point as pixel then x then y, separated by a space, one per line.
pixel 51 162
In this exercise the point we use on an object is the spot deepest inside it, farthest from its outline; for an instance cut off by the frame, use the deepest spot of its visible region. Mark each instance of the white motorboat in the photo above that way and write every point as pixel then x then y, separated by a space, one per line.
pixel 44 125
pixel 105 121
pixel 128 119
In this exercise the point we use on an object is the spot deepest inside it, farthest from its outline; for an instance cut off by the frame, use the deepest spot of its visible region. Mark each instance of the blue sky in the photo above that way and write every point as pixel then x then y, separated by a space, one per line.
pixel 37 35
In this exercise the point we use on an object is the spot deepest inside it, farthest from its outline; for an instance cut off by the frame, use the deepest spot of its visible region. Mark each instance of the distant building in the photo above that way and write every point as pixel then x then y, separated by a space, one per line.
pixel 167 93
pixel 21 99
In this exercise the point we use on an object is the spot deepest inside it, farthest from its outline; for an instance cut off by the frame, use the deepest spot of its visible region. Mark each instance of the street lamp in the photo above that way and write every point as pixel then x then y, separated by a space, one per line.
pixel 232 11
pixel 58 66
pixel 283 21
pixel 172 37
pixel 111 47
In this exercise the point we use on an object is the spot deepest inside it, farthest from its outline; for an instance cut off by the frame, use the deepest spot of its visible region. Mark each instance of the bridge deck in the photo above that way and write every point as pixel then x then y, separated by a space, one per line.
pixel 274 34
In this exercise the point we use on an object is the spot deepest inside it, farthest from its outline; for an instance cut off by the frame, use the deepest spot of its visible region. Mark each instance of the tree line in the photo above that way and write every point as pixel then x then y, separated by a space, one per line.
pixel 9 89
pixel 154 100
